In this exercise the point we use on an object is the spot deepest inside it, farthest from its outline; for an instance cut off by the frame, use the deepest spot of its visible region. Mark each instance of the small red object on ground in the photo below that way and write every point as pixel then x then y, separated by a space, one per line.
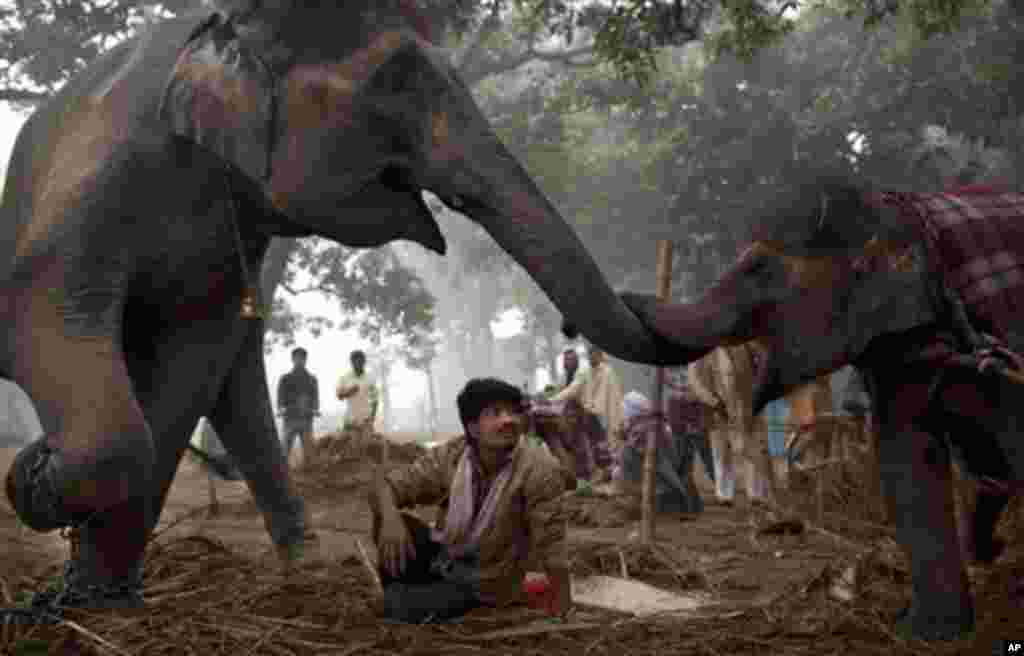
pixel 539 592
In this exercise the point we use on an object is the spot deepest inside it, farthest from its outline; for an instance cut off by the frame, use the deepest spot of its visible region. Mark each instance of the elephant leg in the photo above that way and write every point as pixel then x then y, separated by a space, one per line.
pixel 977 527
pixel 244 420
pixel 917 482
pixel 90 471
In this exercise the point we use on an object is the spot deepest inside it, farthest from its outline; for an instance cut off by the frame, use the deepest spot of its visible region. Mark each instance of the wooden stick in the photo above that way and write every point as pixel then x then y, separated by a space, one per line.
pixel 663 291
pixel 107 646
pixel 368 564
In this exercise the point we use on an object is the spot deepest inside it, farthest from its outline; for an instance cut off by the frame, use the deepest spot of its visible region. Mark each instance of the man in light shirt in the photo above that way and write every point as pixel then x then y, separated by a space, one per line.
pixel 360 390
pixel 600 393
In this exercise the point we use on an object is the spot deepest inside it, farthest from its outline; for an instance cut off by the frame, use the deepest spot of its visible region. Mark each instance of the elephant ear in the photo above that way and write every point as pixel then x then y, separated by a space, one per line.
pixel 889 302
pixel 220 95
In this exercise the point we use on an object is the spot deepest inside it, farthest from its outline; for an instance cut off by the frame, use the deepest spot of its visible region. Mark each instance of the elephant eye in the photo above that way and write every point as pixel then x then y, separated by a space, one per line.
pixel 758 267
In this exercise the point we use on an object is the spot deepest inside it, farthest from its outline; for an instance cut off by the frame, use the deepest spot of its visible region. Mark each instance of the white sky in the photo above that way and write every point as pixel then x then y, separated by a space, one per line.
pixel 328 354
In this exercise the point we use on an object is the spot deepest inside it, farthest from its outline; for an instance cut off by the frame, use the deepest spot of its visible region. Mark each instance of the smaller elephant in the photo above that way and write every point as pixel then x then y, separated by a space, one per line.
pixel 916 290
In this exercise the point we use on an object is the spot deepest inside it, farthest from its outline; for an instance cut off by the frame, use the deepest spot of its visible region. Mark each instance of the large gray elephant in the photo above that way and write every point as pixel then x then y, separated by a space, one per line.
pixel 139 205
pixel 905 287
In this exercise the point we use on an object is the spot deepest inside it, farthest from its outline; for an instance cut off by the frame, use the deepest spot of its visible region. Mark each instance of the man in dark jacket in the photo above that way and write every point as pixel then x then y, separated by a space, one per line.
pixel 298 401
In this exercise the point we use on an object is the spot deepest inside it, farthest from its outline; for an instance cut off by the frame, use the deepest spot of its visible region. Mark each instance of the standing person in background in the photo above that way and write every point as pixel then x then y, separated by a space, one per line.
pixel 360 390
pixel 688 417
pixel 724 380
pixel 571 363
pixel 298 402
pixel 674 489
pixel 599 391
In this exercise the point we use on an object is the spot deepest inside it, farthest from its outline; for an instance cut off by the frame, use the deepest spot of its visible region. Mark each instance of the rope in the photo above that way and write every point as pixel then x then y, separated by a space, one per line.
pixel 250 299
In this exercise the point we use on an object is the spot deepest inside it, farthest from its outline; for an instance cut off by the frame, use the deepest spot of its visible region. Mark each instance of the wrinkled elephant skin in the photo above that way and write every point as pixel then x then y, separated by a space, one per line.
pixel 832 279
pixel 138 198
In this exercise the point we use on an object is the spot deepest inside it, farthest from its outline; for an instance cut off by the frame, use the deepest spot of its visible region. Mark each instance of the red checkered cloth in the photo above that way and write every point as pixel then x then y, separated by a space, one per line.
pixel 975 239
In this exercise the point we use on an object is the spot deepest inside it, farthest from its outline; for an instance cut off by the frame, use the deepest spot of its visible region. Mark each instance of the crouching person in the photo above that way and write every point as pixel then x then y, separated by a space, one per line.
pixel 498 494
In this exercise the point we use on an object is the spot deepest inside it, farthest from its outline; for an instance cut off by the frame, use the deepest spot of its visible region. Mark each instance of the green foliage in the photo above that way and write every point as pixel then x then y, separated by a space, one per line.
pixel 749 27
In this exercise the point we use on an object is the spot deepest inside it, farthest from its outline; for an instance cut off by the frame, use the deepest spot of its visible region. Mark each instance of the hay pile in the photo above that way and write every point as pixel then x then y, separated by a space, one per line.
pixel 340 448
pixel 345 461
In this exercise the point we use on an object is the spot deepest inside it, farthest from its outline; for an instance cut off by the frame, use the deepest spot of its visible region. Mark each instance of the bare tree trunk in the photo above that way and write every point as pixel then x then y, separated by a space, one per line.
pixel 385 394
pixel 274 264
pixel 433 400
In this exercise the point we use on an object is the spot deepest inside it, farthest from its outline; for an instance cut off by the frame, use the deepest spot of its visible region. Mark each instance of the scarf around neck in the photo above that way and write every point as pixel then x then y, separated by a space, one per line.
pixel 470 512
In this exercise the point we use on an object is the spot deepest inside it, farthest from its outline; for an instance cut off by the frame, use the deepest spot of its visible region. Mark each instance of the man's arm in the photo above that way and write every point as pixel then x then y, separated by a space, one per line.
pixel 374 401
pixel 547 533
pixel 574 389
pixel 344 389
pixel 423 482
pixel 316 395
pixel 697 379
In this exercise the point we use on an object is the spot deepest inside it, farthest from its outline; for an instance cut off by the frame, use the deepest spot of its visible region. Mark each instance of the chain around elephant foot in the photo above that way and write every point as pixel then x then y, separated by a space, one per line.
pixel 75 589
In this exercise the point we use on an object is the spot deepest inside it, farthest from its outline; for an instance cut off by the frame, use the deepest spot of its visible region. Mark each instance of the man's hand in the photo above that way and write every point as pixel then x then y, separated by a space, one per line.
pixel 345 392
pixel 395 545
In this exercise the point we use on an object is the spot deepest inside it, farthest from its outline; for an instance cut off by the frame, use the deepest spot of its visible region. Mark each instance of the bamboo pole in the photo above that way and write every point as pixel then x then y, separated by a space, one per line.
pixel 663 291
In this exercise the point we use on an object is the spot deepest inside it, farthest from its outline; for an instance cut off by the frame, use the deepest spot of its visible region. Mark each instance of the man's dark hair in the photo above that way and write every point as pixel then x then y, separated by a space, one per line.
pixel 299 351
pixel 479 393
pixel 357 355
pixel 568 351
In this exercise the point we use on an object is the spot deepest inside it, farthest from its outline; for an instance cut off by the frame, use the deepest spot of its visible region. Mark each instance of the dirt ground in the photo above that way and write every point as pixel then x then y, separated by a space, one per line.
pixel 768 581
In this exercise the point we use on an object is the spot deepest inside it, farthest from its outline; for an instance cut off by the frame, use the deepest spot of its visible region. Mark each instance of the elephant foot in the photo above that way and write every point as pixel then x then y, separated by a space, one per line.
pixel 914 623
pixel 75 589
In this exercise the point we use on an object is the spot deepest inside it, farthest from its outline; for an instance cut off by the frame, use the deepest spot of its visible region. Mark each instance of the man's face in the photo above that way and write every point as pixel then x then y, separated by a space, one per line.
pixel 499 426
pixel 358 364
pixel 299 361
pixel 570 360
pixel 596 357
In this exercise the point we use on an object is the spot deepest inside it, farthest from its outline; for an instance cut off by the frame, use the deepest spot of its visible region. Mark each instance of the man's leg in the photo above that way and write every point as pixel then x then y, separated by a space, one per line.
pixel 419 595
pixel 601 446
pixel 725 475
pixel 760 473
pixel 704 447
pixel 308 447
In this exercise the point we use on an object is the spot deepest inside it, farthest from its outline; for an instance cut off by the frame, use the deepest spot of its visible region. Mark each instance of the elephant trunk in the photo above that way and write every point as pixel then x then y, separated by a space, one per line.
pixel 525 223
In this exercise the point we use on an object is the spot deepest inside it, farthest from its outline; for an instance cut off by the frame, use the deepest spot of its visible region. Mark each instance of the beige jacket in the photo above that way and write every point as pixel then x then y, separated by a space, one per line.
pixel 599 392
pixel 724 379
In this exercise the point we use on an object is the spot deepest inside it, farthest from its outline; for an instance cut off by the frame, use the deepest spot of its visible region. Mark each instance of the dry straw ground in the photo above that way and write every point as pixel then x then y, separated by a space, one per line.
pixel 206 597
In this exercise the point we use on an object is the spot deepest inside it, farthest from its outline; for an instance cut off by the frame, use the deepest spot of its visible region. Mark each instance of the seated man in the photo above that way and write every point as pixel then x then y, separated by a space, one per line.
pixel 501 491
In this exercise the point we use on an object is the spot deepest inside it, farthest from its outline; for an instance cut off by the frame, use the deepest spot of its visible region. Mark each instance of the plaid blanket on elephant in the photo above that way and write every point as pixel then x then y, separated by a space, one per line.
pixel 975 239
